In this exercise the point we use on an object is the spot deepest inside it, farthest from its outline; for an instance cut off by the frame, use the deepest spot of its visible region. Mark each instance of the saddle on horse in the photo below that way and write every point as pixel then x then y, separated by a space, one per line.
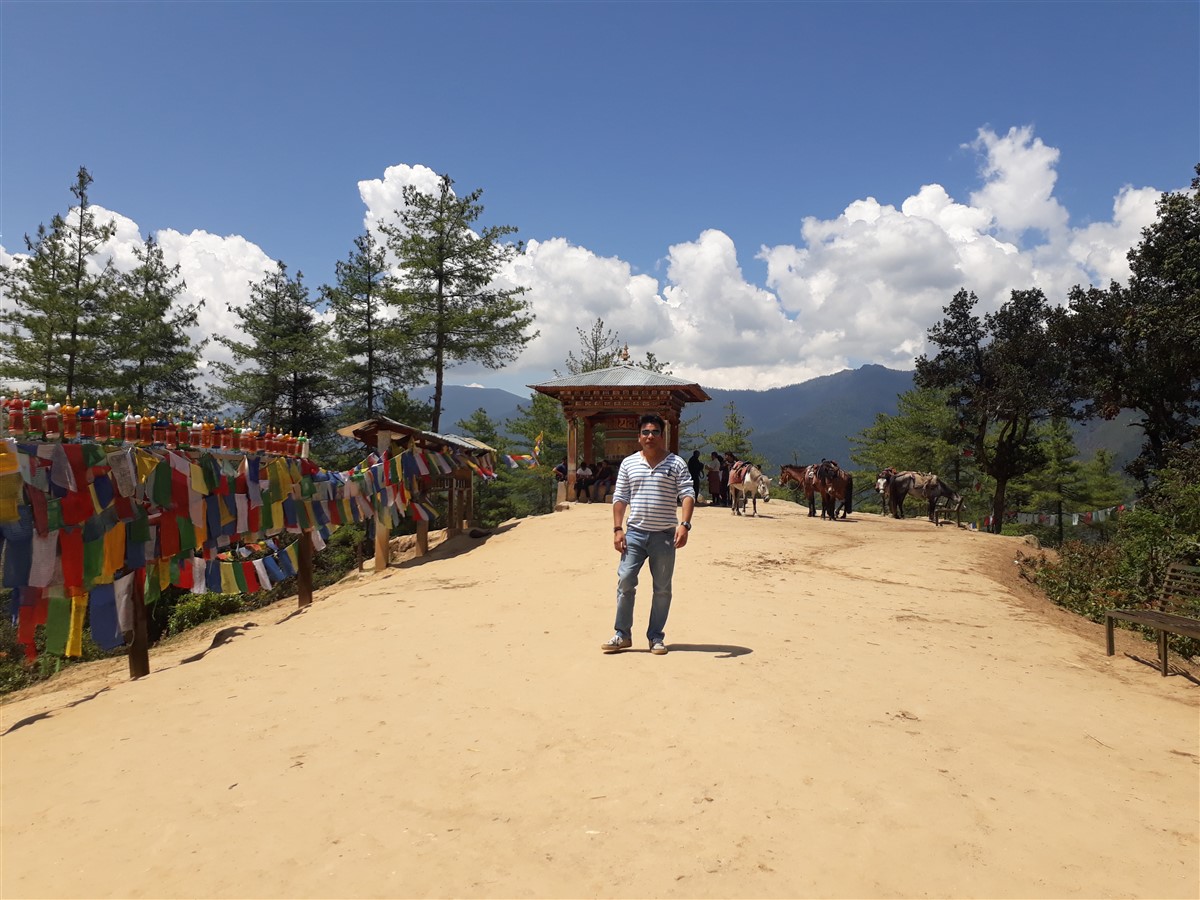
pixel 737 474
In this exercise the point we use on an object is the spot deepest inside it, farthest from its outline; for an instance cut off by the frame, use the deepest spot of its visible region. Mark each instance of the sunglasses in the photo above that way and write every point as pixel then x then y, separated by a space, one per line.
pixel 651 432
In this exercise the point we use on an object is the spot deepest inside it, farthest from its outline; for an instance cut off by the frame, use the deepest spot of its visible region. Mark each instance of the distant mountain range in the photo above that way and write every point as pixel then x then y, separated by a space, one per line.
pixel 798 423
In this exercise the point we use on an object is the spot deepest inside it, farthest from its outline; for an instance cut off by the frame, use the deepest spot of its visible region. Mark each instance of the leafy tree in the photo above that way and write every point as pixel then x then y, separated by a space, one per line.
pixel 55 332
pixel 736 437
pixel 157 359
pixel 373 353
pixel 1003 375
pixel 449 304
pixel 279 370
pixel 1138 346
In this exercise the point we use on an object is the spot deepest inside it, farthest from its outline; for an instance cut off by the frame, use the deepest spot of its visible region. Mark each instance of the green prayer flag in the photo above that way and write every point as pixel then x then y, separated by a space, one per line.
pixel 54 519
pixel 161 494
pixel 187 533
pixel 153 588
pixel 58 624
pixel 240 577
pixel 139 528
pixel 93 561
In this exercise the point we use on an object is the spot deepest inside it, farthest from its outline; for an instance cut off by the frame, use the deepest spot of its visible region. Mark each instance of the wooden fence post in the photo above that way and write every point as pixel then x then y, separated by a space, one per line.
pixel 139 649
pixel 304 578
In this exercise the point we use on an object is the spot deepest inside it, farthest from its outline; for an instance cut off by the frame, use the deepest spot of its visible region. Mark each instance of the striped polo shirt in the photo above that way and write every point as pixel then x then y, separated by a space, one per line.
pixel 652 493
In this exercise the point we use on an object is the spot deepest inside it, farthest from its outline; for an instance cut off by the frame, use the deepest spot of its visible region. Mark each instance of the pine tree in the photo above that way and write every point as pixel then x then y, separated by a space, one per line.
pixel 56 333
pixel 279 374
pixel 599 348
pixel 157 359
pixel 449 305
pixel 736 437
pixel 373 351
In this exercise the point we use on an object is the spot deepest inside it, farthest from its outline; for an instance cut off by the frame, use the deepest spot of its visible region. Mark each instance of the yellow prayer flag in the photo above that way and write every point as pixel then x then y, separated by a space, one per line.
pixel 79 603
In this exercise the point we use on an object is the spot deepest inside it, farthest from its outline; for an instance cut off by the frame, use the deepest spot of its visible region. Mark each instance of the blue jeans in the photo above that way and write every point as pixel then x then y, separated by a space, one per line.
pixel 659 548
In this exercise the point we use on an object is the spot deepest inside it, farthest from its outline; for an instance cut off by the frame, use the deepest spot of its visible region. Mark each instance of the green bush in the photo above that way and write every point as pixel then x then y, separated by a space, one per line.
pixel 1128 570
pixel 199 608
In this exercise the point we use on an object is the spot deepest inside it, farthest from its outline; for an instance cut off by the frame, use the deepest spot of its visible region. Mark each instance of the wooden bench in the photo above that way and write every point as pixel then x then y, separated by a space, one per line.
pixel 1179 612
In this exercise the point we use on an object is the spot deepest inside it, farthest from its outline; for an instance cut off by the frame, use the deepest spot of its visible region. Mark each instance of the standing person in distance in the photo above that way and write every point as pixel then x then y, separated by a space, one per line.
pixel 650 485
pixel 696 469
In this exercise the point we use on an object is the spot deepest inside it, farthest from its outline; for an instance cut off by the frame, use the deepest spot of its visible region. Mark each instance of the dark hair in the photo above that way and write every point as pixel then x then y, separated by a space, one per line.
pixel 652 419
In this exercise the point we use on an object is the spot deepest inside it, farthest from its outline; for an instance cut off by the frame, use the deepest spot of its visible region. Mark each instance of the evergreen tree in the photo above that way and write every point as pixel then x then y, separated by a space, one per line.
pixel 599 348
pixel 157 360
pixel 373 352
pixel 449 305
pixel 514 492
pixel 279 374
pixel 55 334
pixel 543 417
pixel 923 436
pixel 736 437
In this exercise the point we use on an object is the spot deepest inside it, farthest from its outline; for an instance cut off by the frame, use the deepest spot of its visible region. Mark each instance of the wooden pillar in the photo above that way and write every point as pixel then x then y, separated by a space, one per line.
pixel 383 519
pixel 139 649
pixel 572 454
pixel 422 537
pixel 673 423
pixel 589 427
pixel 304 578
pixel 453 508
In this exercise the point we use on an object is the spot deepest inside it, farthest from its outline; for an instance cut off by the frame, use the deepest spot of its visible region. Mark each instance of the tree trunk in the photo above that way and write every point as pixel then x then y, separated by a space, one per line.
pixel 998 506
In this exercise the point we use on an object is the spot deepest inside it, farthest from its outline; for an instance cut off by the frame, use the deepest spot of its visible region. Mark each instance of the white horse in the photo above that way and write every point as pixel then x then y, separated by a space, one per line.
pixel 753 484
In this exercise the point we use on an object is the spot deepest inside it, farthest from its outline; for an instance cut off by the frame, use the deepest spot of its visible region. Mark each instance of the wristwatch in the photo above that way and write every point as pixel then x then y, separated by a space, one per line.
pixel 687 525
pixel 617 528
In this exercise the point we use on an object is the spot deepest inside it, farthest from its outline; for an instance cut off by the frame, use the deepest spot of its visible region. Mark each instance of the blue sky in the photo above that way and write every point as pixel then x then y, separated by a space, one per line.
pixel 757 192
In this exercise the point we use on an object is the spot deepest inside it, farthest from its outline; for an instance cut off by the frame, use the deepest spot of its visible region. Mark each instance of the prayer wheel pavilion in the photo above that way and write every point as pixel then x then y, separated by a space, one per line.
pixel 614 398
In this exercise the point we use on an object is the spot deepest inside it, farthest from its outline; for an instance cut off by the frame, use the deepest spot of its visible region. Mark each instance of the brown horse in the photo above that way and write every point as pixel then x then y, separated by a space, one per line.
pixel 825 478
pixel 925 485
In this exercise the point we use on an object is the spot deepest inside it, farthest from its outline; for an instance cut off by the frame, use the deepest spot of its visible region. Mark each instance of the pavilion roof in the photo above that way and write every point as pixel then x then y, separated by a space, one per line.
pixel 366 432
pixel 625 375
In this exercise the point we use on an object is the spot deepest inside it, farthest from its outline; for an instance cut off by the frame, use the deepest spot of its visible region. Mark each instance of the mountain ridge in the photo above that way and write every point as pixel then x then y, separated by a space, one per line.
pixel 796 423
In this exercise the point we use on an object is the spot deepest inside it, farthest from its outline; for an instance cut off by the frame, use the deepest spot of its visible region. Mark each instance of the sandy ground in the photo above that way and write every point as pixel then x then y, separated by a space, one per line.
pixel 862 709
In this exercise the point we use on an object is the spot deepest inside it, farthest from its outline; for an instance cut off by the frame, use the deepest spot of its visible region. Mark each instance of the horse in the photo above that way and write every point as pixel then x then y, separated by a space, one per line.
pixel 926 486
pixel 751 484
pixel 827 479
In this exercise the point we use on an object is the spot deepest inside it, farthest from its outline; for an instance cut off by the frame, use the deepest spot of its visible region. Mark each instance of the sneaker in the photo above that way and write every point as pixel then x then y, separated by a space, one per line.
pixel 617 642
pixel 658 648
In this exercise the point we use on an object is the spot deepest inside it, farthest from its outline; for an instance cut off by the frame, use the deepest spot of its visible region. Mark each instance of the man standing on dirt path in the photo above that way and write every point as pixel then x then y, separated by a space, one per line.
pixel 651 484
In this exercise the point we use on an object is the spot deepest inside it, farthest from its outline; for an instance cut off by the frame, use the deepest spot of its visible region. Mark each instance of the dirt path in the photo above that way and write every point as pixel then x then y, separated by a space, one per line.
pixel 867 709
